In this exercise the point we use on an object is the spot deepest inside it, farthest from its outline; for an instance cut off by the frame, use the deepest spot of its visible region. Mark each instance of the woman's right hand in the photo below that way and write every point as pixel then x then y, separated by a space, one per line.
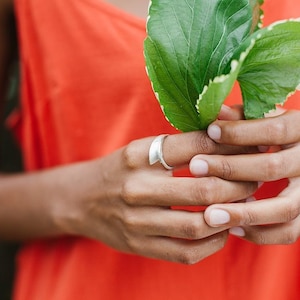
pixel 124 202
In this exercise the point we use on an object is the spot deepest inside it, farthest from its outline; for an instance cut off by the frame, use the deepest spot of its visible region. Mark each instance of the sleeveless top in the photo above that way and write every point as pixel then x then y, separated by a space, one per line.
pixel 85 93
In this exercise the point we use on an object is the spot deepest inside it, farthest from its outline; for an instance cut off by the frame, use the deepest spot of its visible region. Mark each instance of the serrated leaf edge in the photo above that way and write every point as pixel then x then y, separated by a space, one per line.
pixel 258 36
pixel 221 78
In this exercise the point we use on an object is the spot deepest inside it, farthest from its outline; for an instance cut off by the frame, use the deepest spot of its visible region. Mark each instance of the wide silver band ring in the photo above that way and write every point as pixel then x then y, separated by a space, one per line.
pixel 155 152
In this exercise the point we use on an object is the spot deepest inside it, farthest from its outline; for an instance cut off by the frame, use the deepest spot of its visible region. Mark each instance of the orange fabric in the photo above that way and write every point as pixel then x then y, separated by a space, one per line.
pixel 84 94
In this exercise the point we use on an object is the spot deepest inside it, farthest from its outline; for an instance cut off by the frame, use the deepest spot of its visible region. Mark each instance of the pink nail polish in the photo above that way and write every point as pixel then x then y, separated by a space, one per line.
pixel 237 231
pixel 218 217
pixel 199 167
pixel 214 132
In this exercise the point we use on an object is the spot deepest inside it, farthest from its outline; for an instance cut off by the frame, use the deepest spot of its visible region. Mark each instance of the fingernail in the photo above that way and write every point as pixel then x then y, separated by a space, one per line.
pixel 214 132
pixel 219 217
pixel 237 231
pixel 199 167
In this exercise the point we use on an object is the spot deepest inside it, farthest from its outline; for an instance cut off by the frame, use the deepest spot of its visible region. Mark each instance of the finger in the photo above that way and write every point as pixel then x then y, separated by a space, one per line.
pixel 172 191
pixel 178 150
pixel 180 251
pixel 256 167
pixel 153 221
pixel 278 130
pixel 268 211
pixel 232 113
pixel 283 234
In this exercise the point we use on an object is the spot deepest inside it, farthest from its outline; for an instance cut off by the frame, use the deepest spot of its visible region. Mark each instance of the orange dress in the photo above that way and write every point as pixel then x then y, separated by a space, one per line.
pixel 84 94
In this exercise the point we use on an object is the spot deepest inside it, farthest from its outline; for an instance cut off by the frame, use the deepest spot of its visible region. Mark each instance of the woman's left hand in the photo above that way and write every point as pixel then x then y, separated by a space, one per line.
pixel 268 221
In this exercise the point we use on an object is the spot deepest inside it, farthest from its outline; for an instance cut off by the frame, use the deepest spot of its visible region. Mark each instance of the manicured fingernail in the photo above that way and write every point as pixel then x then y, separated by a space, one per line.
pixel 237 231
pixel 214 132
pixel 199 167
pixel 218 217
pixel 260 183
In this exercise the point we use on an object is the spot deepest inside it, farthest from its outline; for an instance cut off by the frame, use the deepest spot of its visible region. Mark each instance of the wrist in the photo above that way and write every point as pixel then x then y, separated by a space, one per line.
pixel 77 189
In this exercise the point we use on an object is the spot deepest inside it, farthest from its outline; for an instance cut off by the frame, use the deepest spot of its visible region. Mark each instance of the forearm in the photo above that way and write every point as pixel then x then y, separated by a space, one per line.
pixel 36 204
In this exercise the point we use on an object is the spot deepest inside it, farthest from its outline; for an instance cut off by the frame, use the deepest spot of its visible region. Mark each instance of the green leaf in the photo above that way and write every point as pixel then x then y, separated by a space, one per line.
pixel 189 43
pixel 271 71
pixel 196 49
pixel 218 89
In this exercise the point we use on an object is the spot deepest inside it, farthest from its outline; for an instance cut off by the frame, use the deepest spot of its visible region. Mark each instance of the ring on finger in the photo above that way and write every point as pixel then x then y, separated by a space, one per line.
pixel 155 152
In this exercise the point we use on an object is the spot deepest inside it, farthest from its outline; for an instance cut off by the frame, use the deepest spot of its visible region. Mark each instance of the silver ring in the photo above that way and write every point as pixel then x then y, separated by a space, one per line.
pixel 155 152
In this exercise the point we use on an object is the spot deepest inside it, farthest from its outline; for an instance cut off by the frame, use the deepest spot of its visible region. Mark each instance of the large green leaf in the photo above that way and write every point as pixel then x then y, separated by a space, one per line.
pixel 271 71
pixel 195 50
pixel 189 43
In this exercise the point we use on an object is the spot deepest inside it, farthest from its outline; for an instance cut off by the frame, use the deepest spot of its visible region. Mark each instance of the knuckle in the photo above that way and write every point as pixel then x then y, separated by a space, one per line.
pixel 196 253
pixel 204 192
pixel 129 193
pixel 226 169
pixel 192 230
pixel 249 218
pixel 129 221
pixel 275 166
pixel 203 144
pixel 189 257
pixel 277 130
pixel 130 156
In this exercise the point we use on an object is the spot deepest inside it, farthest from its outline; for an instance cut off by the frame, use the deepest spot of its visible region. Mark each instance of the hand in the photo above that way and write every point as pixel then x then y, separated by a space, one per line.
pixel 127 203
pixel 267 221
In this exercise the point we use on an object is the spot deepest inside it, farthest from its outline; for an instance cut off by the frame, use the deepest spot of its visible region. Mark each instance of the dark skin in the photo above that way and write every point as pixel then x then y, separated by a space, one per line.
pixel 119 199
pixel 124 202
